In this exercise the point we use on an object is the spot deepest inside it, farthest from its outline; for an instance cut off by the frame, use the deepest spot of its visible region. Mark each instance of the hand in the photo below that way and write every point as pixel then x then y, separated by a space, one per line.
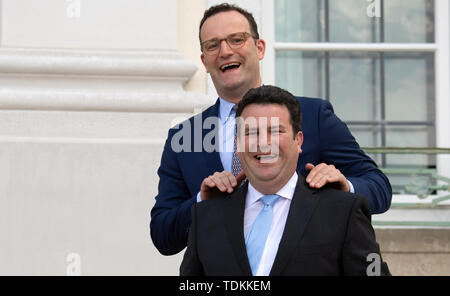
pixel 219 183
pixel 322 174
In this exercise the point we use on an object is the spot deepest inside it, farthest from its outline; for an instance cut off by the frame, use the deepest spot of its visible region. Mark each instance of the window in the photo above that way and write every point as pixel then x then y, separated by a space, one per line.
pixel 378 72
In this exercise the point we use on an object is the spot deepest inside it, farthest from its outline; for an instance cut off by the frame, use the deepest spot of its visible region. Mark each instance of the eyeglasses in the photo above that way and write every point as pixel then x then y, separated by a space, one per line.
pixel 234 41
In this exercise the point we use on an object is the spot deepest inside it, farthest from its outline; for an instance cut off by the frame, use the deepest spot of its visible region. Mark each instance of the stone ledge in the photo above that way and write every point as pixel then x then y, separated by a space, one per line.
pixel 415 252
pixel 132 100
pixel 169 64
pixel 412 264
pixel 414 240
pixel 100 80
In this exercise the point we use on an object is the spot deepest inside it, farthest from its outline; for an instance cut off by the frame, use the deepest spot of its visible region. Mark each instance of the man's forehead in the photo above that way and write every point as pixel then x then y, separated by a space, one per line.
pixel 264 110
pixel 224 23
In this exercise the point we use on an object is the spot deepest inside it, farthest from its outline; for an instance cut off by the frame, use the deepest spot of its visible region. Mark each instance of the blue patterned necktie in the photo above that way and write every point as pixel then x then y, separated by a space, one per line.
pixel 257 236
pixel 235 162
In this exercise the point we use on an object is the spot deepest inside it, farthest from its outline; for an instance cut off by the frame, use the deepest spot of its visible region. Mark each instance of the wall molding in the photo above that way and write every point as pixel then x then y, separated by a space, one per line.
pixel 100 80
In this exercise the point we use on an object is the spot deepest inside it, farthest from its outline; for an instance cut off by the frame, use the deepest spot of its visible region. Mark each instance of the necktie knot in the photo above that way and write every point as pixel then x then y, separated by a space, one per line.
pixel 233 110
pixel 270 200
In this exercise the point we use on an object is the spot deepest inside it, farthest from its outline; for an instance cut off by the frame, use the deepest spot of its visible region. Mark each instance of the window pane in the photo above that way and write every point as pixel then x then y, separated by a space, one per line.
pixel 368 136
pixel 349 22
pixel 409 21
pixel 302 73
pixel 409 80
pixel 354 85
pixel 299 21
pixel 418 182
pixel 409 136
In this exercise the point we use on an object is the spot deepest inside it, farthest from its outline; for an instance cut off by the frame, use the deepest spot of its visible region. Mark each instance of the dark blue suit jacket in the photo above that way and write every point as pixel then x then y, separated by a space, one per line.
pixel 326 139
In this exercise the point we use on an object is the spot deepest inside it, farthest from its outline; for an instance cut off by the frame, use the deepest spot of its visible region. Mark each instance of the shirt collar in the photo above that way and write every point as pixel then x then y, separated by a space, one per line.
pixel 224 109
pixel 287 191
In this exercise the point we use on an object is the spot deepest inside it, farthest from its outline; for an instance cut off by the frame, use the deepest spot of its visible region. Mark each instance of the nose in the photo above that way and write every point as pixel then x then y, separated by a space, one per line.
pixel 225 49
pixel 265 142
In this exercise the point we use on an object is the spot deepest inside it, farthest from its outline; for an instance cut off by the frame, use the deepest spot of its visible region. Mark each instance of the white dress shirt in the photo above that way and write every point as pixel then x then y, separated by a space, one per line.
pixel 280 212
pixel 226 133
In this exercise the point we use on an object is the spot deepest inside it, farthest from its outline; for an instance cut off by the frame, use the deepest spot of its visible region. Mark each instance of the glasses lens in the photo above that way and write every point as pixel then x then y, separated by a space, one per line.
pixel 211 45
pixel 237 39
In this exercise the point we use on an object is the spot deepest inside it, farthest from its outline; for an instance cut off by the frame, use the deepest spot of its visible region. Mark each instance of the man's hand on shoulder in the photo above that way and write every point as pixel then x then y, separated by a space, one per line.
pixel 323 174
pixel 219 183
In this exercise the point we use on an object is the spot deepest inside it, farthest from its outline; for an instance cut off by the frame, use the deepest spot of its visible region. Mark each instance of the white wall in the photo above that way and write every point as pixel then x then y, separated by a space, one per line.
pixel 121 24
pixel 86 100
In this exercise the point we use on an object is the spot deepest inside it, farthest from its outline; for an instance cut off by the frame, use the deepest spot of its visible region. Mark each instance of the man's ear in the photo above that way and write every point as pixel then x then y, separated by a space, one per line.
pixel 299 140
pixel 202 57
pixel 261 48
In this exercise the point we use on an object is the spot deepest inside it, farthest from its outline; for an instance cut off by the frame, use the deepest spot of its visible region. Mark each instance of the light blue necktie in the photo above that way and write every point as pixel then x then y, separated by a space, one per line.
pixel 256 238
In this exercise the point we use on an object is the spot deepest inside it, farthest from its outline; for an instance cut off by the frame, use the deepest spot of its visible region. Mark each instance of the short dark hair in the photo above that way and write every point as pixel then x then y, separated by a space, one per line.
pixel 268 94
pixel 229 7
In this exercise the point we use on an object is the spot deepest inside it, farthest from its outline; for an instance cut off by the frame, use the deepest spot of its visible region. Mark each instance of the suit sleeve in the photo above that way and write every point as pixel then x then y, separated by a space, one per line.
pixel 191 265
pixel 171 216
pixel 339 147
pixel 360 246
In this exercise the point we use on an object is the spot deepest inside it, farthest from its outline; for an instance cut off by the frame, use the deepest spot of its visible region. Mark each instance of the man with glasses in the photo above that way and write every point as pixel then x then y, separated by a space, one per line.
pixel 231 52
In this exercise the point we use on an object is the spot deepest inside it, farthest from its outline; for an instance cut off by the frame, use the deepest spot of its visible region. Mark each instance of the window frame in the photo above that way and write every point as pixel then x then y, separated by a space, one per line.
pixel 440 48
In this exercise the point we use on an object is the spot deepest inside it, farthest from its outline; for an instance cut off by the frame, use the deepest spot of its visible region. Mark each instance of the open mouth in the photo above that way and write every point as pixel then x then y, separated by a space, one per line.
pixel 266 158
pixel 230 66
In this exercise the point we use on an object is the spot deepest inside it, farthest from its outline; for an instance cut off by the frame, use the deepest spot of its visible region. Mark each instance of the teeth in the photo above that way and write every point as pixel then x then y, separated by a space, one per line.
pixel 270 156
pixel 224 67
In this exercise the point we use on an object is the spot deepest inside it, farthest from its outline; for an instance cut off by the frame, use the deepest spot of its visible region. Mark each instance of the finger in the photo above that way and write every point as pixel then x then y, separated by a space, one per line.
pixel 232 181
pixel 339 181
pixel 315 173
pixel 309 166
pixel 315 181
pixel 240 177
pixel 218 183
pixel 323 181
pixel 330 175
pixel 222 181
pixel 209 189
pixel 321 171
pixel 207 184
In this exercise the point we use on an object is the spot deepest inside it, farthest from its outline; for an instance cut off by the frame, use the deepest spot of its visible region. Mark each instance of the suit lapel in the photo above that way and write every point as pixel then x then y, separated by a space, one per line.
pixel 302 207
pixel 212 157
pixel 234 223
